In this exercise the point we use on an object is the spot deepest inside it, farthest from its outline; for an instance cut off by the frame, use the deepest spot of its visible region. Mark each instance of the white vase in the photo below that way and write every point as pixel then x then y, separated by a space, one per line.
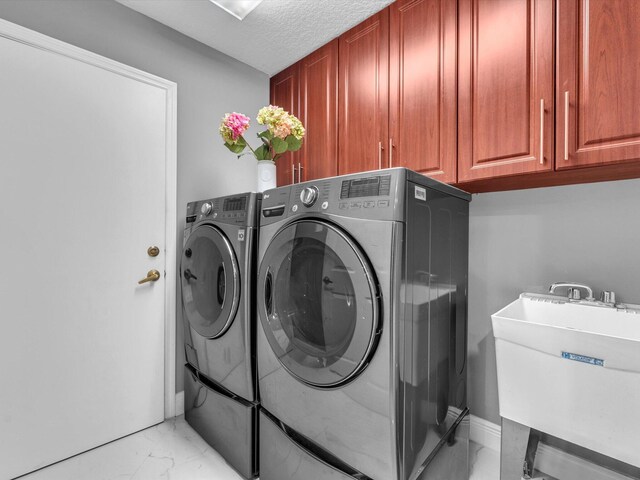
pixel 266 175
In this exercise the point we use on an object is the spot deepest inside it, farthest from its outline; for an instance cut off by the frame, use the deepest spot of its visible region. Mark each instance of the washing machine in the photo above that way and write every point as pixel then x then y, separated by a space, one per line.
pixel 217 277
pixel 362 302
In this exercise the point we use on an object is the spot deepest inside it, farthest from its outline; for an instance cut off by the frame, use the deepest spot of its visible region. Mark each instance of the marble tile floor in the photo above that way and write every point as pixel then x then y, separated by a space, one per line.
pixel 484 462
pixel 174 451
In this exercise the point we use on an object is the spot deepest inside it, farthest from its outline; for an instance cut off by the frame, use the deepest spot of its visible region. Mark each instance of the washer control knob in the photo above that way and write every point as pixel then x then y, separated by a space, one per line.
pixel 206 208
pixel 308 196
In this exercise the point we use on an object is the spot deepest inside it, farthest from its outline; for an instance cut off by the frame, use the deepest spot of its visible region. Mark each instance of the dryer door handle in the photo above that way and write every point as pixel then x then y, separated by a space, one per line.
pixel 222 287
pixel 268 293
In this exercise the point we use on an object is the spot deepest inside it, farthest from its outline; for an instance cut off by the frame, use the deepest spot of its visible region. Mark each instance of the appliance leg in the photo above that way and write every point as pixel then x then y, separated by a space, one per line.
pixel 519 445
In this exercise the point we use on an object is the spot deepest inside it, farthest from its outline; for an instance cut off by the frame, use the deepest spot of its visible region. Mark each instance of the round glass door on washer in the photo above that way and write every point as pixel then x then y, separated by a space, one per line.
pixel 361 345
pixel 321 303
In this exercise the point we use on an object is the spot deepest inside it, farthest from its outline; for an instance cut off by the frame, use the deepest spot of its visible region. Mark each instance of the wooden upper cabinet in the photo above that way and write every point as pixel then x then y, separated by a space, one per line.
pixel 505 88
pixel 598 93
pixel 364 92
pixel 422 86
pixel 318 156
pixel 284 93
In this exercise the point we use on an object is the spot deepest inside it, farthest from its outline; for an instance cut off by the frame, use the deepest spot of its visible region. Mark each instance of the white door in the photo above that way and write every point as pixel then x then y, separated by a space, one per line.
pixel 84 149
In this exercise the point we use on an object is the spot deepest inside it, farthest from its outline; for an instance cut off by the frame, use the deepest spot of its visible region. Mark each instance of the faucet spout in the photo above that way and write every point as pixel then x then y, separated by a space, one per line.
pixel 573 290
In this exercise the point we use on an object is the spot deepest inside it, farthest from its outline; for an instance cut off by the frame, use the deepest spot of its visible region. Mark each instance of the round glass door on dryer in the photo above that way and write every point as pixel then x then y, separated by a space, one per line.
pixel 210 281
pixel 211 294
pixel 318 303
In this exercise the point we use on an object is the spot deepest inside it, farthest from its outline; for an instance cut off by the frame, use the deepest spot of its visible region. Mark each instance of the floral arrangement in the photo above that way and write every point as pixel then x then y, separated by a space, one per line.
pixel 284 133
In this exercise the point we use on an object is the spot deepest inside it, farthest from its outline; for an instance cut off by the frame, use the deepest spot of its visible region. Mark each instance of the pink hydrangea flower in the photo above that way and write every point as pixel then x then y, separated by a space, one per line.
pixel 233 126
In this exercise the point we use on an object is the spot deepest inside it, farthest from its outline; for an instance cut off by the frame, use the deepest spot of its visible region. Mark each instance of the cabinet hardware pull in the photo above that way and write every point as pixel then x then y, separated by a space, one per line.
pixel 566 125
pixel 299 172
pixel 379 155
pixel 390 152
pixel 542 131
pixel 293 173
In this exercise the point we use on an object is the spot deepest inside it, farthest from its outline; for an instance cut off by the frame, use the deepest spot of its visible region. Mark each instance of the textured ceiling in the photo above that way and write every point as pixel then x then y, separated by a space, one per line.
pixel 275 35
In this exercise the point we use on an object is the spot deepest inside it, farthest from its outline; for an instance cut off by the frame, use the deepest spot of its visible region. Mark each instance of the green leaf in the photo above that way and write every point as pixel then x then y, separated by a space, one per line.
pixel 266 135
pixel 262 153
pixel 293 143
pixel 279 145
pixel 235 147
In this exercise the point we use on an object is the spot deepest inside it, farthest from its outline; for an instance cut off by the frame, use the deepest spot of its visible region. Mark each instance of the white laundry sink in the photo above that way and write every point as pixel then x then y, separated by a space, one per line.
pixel 572 370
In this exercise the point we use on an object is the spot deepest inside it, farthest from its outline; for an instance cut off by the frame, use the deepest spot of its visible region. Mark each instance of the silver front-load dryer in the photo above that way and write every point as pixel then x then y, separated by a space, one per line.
pixel 216 276
pixel 361 296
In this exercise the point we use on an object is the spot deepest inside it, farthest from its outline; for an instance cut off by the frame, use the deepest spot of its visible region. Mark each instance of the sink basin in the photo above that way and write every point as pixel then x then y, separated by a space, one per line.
pixel 572 370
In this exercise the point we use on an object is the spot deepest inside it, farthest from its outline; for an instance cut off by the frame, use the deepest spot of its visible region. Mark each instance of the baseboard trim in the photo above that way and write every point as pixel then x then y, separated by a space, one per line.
pixel 180 403
pixel 569 467
pixel 485 433
pixel 549 460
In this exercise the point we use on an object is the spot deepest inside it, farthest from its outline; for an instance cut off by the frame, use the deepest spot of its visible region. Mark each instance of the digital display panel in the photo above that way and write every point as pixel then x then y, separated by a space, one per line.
pixel 366 187
pixel 234 204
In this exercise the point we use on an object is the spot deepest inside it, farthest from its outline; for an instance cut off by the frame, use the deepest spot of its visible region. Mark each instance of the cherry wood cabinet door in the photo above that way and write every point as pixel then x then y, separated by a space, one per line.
pixel 319 113
pixel 505 88
pixel 598 89
pixel 422 86
pixel 284 93
pixel 364 95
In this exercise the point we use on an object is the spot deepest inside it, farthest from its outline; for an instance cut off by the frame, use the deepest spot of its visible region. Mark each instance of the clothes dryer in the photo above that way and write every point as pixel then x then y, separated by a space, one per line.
pixel 217 276
pixel 362 301
pixel 216 270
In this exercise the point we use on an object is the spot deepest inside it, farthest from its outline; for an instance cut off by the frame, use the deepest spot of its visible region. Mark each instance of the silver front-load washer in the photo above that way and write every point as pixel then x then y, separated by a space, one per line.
pixel 217 280
pixel 361 296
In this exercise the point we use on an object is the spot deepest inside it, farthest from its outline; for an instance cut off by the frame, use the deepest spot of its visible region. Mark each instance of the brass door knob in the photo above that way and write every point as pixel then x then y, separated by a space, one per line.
pixel 152 276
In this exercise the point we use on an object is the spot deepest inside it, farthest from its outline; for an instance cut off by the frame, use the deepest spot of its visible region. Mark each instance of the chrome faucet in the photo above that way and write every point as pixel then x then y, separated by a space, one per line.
pixel 573 290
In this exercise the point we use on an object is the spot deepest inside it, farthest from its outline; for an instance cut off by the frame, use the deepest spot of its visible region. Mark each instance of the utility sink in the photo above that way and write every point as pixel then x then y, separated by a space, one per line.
pixel 572 369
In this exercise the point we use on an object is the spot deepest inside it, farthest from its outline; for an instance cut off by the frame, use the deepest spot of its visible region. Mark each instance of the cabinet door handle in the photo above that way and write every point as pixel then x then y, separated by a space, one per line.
pixel 566 125
pixel 299 172
pixel 390 152
pixel 542 131
pixel 379 155
pixel 293 173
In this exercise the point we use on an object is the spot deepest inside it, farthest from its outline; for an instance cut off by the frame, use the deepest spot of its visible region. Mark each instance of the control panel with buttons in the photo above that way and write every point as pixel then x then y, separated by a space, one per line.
pixel 236 210
pixel 345 196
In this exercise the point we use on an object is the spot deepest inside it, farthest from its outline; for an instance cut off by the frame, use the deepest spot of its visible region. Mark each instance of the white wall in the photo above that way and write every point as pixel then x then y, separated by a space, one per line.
pixel 525 240
pixel 209 84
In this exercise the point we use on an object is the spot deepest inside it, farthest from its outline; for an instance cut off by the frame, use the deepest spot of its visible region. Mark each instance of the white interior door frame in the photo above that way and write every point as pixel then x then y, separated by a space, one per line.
pixel 34 39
